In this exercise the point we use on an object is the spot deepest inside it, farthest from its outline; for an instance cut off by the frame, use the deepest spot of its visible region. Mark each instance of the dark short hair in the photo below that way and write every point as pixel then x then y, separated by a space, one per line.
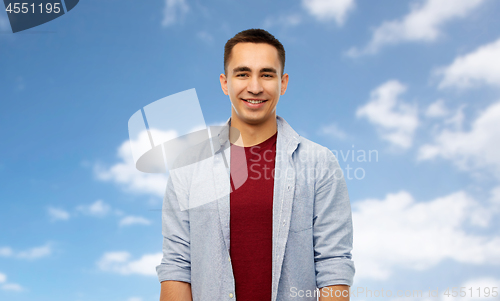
pixel 254 35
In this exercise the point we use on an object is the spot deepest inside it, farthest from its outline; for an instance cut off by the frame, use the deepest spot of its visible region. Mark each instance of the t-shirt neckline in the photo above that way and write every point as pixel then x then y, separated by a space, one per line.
pixel 262 144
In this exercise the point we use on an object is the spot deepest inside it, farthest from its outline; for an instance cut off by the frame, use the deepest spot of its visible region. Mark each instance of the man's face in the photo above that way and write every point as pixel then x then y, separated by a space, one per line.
pixel 253 75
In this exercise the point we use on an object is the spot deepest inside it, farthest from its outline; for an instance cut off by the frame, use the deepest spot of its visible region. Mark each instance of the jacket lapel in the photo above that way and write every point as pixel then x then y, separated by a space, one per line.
pixel 222 184
pixel 284 183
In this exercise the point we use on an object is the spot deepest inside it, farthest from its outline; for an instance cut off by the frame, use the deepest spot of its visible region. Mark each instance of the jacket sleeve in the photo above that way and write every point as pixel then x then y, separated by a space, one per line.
pixel 176 261
pixel 332 226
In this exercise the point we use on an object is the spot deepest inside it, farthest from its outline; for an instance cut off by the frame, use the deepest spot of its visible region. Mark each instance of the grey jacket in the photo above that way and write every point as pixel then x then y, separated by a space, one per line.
pixel 312 225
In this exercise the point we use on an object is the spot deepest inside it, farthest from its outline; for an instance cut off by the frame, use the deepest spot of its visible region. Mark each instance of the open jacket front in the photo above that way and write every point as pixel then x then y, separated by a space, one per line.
pixel 312 224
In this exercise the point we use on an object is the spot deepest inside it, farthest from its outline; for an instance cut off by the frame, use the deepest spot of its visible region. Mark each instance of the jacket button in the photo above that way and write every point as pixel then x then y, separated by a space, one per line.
pixel 231 295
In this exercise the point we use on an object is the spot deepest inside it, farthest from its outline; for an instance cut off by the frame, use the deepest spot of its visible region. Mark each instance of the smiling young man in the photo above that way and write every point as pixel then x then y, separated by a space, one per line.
pixel 285 229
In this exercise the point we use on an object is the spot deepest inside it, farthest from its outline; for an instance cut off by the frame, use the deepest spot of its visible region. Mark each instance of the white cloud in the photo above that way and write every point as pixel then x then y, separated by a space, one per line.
pixel 422 24
pixel 473 149
pixel 35 253
pixel 325 10
pixel 437 109
pixel 98 208
pixel 174 11
pixel 57 214
pixel 5 251
pixel 6 286
pixel 445 117
pixel 126 174
pixel 134 220
pixel 398 232
pixel 120 263
pixel 333 130
pixel 482 66
pixel 134 299
pixel 475 294
pixel 12 287
pixel 395 120
pixel 457 119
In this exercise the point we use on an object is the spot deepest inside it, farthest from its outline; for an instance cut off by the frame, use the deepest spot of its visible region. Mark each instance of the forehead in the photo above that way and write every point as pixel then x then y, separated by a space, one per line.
pixel 254 55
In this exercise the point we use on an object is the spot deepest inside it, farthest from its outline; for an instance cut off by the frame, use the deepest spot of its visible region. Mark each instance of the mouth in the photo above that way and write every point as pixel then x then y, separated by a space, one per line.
pixel 254 101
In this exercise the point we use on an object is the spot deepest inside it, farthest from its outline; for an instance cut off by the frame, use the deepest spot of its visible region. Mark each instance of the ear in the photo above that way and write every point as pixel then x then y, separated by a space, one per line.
pixel 223 83
pixel 284 83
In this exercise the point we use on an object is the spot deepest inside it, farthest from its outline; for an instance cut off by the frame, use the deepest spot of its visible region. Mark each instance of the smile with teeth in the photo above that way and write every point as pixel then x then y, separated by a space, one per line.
pixel 253 101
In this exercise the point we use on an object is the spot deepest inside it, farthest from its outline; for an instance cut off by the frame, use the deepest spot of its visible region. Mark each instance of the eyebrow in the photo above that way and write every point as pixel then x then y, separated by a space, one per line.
pixel 247 69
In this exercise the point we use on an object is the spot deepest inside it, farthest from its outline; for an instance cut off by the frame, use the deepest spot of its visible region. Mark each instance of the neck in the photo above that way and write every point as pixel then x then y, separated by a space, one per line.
pixel 251 134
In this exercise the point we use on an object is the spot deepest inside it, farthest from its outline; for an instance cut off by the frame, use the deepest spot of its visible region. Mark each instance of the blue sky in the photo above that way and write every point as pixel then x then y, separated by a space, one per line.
pixel 416 81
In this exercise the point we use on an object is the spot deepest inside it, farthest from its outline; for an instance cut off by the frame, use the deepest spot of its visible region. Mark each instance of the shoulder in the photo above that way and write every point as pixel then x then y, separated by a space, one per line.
pixel 312 152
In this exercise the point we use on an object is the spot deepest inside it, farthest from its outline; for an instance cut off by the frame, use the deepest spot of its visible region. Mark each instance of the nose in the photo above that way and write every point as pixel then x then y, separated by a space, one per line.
pixel 254 85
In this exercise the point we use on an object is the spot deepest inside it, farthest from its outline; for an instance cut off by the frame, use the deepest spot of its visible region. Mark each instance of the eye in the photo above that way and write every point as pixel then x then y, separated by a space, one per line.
pixel 241 75
pixel 268 75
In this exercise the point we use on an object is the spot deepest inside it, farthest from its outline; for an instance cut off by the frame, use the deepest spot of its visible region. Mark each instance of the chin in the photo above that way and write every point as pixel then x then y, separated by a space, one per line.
pixel 254 119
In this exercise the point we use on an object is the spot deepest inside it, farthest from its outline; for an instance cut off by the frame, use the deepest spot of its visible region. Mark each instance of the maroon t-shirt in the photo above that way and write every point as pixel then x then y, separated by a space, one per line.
pixel 251 220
